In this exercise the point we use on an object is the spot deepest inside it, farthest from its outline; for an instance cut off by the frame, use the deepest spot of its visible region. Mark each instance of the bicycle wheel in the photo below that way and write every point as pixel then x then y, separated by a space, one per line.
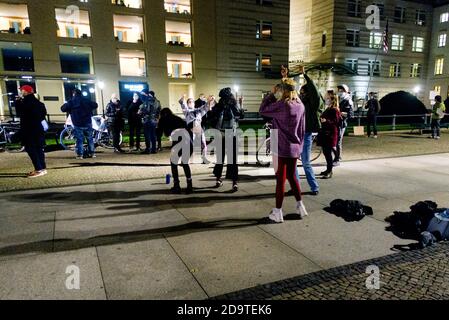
pixel 264 154
pixel 67 139
pixel 316 151
pixel 105 140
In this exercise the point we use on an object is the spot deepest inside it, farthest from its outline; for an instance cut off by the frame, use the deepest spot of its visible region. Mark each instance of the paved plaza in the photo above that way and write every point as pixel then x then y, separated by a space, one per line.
pixel 134 240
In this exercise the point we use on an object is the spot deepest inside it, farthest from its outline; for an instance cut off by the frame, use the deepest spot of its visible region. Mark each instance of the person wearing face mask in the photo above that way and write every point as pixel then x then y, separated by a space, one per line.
pixel 194 117
pixel 135 123
pixel 288 114
pixel 202 100
pixel 347 113
pixel 115 122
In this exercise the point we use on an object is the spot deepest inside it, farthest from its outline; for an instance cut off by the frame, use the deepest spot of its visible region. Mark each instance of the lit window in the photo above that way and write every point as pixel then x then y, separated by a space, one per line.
pixel 132 63
pixel 263 62
pixel 375 40
pixel 439 66
pixel 72 25
pixel 264 30
pixel 179 65
pixel 76 60
pixel 415 71
pixel 397 42
pixel 442 40
pixel 178 33
pixel 128 28
pixel 418 44
pixel 14 18
pixel 374 68
pixel 16 56
pixel 437 89
pixel 136 4
pixel 352 64
pixel 395 70
pixel 178 6
pixel 444 17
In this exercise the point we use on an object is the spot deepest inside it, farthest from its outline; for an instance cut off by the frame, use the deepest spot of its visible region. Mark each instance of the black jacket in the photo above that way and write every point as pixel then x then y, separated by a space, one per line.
pixel 81 111
pixel 114 112
pixel 31 112
pixel 133 109
pixel 346 105
pixel 373 107
pixel 226 112
pixel 150 109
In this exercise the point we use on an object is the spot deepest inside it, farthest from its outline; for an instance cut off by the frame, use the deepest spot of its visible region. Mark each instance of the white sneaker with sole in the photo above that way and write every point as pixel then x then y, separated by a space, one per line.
pixel 277 216
pixel 38 174
pixel 301 210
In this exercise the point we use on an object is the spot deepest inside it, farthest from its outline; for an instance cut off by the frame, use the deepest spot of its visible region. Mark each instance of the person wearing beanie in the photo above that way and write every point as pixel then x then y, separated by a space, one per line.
pixel 289 126
pixel 32 113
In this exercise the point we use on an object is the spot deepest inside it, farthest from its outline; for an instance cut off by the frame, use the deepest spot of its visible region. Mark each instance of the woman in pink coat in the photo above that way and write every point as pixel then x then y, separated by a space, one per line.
pixel 288 114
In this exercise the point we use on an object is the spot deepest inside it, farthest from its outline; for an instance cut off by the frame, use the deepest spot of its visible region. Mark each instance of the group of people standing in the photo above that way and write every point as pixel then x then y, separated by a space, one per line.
pixel 223 115
pixel 297 119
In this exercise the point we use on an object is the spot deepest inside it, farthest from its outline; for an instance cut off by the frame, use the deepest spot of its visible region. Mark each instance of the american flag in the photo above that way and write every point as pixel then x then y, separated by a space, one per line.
pixel 386 42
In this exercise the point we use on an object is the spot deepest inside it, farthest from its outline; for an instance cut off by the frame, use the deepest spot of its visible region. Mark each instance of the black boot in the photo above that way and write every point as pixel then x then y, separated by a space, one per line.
pixel 176 189
pixel 189 189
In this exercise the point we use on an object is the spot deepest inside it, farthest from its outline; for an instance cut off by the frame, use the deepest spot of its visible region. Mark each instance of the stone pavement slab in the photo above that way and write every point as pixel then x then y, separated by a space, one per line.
pixel 330 241
pixel 33 229
pixel 43 277
pixel 225 260
pixel 147 270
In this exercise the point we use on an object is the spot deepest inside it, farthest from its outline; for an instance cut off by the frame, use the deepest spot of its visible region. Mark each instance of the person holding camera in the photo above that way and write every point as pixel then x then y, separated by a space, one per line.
pixel 32 115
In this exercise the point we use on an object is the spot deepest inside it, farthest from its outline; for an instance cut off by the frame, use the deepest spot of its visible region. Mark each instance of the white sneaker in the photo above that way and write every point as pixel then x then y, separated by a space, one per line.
pixel 38 174
pixel 301 210
pixel 277 216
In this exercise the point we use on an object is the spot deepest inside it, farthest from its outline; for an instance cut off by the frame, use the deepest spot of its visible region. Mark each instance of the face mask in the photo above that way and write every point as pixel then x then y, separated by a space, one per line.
pixel 328 102
pixel 278 95
pixel 114 100
pixel 342 95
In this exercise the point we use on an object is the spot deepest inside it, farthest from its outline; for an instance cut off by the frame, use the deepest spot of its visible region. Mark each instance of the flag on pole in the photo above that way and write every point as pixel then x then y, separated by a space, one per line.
pixel 386 42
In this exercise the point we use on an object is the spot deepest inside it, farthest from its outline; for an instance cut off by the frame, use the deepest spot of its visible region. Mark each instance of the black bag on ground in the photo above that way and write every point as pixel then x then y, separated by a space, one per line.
pixel 350 210
pixel 410 225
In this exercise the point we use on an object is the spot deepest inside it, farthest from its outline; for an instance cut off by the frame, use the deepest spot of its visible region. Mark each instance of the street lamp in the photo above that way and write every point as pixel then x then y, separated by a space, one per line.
pixel 236 89
pixel 416 90
pixel 101 86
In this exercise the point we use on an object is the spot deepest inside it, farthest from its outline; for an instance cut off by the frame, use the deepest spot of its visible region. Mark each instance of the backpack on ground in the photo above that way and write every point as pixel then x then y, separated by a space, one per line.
pixel 439 225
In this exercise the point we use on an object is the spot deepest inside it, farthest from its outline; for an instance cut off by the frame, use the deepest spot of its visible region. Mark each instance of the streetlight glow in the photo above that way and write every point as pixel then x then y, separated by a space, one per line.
pixel 417 89
pixel 101 85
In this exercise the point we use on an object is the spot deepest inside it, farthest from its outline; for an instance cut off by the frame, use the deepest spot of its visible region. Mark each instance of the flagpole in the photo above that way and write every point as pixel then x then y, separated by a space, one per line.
pixel 382 39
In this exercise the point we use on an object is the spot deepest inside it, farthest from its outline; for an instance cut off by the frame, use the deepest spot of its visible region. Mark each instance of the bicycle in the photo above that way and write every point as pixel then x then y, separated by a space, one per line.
pixel 102 136
pixel 7 132
pixel 264 154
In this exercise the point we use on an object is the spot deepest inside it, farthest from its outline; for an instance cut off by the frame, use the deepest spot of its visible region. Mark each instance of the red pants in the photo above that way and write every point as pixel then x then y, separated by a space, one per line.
pixel 286 171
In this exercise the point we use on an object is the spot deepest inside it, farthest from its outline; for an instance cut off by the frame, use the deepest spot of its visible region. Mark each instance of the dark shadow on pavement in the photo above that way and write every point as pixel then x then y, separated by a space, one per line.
pixel 65 244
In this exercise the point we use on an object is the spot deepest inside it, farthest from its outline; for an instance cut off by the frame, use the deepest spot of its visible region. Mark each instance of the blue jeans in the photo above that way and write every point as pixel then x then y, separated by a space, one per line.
pixel 149 129
pixel 80 134
pixel 305 158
